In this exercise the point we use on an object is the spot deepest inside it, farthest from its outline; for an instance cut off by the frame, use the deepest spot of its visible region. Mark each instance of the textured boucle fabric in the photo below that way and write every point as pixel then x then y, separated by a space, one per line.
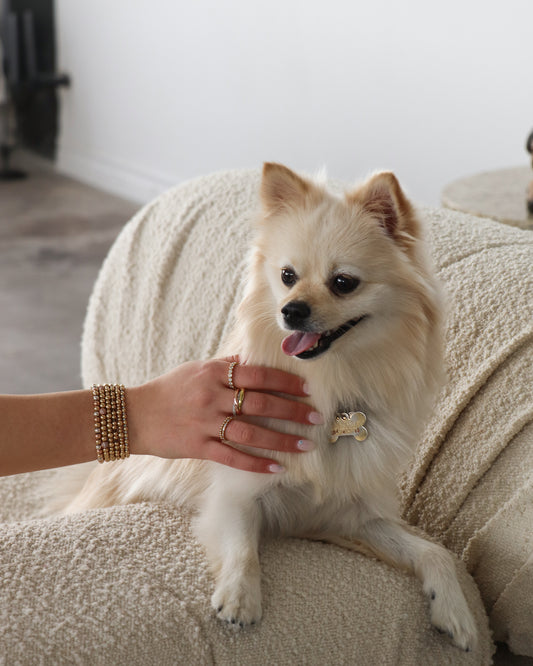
pixel 129 585
pixel 166 294
pixel 472 482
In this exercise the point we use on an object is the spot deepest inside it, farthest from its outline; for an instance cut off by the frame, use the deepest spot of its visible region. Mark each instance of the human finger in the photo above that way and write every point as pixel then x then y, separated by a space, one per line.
pixel 262 378
pixel 255 403
pixel 227 455
pixel 245 433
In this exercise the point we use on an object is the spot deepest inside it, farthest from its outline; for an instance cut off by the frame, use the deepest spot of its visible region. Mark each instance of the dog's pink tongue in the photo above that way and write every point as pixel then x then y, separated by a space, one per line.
pixel 298 342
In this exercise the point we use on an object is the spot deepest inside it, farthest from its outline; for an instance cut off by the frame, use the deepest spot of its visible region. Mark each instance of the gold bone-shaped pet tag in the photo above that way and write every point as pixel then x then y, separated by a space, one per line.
pixel 351 423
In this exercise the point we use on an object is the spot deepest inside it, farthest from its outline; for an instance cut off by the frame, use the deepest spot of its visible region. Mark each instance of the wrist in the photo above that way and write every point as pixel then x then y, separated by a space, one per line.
pixel 110 422
pixel 136 401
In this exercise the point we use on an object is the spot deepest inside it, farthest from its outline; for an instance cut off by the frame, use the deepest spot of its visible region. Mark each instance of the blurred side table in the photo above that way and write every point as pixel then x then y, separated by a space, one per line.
pixel 500 195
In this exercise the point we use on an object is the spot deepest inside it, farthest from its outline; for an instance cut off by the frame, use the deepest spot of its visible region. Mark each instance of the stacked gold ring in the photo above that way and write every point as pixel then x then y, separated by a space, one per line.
pixel 223 427
pixel 230 374
pixel 238 399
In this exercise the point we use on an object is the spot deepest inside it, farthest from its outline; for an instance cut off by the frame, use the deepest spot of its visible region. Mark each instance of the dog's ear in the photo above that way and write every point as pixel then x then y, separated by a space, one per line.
pixel 281 188
pixel 383 198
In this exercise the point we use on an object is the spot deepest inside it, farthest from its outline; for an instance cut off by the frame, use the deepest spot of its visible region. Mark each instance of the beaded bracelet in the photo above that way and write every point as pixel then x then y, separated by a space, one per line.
pixel 110 424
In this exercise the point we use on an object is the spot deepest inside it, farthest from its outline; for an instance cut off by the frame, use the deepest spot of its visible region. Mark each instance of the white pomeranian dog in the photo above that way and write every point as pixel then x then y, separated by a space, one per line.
pixel 340 291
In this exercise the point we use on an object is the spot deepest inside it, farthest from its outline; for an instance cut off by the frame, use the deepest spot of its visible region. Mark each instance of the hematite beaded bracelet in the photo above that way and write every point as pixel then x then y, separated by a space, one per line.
pixel 110 422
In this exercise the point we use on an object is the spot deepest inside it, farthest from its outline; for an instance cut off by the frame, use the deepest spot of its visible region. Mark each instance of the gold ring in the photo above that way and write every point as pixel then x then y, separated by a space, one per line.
pixel 238 399
pixel 223 427
pixel 230 374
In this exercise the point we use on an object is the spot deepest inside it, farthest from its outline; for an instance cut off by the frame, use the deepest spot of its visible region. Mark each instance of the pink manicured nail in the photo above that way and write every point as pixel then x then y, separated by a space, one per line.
pixel 315 418
pixel 305 445
pixel 306 389
pixel 275 468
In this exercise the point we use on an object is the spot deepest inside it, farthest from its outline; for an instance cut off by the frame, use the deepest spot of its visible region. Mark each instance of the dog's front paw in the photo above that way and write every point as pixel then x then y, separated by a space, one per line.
pixel 453 617
pixel 238 603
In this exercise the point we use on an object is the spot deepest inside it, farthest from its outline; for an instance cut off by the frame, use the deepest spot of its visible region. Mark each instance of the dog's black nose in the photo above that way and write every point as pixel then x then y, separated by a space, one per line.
pixel 295 313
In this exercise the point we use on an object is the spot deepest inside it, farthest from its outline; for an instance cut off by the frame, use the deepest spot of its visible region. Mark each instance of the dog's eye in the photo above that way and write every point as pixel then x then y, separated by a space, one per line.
pixel 288 277
pixel 344 284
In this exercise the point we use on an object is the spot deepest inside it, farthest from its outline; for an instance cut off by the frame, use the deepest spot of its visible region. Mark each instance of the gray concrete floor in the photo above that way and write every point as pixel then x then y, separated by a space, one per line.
pixel 54 235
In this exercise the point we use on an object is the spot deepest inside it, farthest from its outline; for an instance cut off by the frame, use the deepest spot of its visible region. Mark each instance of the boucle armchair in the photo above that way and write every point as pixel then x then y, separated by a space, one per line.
pixel 129 585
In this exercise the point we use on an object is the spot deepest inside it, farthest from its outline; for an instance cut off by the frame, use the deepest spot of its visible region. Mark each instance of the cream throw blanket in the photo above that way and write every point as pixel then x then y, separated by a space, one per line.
pixel 129 585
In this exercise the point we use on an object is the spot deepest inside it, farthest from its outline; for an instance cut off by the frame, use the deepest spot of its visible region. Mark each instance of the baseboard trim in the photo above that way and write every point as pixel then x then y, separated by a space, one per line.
pixel 113 176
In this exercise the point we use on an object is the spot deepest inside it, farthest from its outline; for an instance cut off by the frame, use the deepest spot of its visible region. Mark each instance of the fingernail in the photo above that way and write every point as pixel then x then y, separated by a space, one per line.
pixel 315 418
pixel 275 468
pixel 306 389
pixel 305 445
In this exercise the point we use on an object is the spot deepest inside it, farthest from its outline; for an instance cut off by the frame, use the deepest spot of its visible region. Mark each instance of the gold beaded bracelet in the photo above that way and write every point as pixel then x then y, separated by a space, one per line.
pixel 110 423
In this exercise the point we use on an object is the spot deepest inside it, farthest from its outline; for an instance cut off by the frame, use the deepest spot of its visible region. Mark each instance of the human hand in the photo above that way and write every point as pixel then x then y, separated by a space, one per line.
pixel 180 414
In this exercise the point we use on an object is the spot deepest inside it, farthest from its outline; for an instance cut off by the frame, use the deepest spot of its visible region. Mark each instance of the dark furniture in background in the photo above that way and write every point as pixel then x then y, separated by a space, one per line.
pixel 30 112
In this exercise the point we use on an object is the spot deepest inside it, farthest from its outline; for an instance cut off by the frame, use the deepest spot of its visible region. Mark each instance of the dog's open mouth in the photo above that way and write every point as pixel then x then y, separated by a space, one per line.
pixel 310 345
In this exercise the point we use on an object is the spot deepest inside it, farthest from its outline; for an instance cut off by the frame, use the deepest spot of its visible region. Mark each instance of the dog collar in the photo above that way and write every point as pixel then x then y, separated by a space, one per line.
pixel 349 423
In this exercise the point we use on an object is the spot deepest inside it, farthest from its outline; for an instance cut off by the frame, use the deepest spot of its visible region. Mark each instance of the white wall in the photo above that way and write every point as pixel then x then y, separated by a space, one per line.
pixel 164 90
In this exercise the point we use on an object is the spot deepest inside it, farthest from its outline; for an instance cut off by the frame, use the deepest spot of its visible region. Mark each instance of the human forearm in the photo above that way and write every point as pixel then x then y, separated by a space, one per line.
pixel 186 413
pixel 44 431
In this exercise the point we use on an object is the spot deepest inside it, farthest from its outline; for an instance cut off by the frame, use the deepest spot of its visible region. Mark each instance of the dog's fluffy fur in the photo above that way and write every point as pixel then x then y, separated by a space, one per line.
pixel 359 258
